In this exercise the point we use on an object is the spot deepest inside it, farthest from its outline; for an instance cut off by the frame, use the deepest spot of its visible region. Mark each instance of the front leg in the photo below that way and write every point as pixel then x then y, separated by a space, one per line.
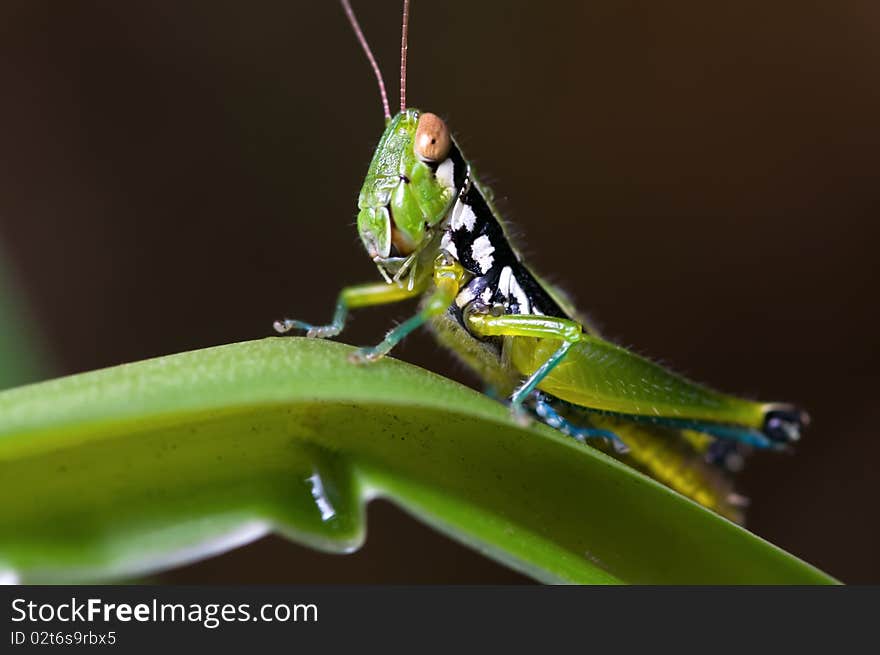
pixel 360 295
pixel 448 278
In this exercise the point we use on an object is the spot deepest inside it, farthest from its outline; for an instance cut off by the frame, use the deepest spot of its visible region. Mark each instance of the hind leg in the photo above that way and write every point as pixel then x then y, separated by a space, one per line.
pixel 548 414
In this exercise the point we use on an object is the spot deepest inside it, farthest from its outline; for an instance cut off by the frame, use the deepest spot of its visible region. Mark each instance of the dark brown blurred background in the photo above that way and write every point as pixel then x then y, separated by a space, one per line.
pixel 702 177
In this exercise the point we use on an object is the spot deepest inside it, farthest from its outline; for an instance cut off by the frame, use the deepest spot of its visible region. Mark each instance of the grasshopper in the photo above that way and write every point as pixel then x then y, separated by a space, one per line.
pixel 432 230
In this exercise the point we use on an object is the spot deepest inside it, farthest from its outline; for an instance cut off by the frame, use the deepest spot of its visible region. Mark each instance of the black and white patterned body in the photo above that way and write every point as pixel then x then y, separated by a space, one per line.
pixel 475 237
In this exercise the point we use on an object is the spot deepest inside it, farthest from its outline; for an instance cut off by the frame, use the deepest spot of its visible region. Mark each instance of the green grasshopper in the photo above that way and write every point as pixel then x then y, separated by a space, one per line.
pixel 433 232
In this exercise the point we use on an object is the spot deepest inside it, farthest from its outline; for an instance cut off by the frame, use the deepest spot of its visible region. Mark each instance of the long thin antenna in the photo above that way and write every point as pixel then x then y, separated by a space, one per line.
pixel 404 38
pixel 346 5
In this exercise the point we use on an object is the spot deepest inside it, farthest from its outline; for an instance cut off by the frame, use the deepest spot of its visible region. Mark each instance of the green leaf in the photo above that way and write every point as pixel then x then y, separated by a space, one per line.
pixel 132 469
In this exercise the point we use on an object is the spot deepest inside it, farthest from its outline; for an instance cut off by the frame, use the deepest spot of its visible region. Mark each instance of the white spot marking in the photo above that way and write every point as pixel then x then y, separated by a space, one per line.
pixel 463 217
pixel 486 295
pixel 448 245
pixel 509 287
pixel 464 297
pixel 446 173
pixel 468 218
pixel 504 281
pixel 481 251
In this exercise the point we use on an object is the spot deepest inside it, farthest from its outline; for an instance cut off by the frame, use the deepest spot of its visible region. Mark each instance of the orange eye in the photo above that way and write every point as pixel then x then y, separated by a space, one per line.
pixel 432 138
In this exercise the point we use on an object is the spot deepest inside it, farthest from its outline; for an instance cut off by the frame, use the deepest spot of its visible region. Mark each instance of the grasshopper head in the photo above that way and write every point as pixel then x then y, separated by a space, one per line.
pixel 408 189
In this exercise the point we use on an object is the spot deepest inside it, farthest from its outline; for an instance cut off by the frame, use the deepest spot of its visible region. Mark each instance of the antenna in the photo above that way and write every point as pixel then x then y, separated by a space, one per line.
pixel 404 36
pixel 346 5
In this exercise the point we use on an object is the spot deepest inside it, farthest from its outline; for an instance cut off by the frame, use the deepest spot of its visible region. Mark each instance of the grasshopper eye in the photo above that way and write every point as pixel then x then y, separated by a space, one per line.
pixel 432 138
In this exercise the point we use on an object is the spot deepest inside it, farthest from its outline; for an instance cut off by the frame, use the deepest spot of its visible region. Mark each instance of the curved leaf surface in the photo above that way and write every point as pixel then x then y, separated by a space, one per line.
pixel 133 469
